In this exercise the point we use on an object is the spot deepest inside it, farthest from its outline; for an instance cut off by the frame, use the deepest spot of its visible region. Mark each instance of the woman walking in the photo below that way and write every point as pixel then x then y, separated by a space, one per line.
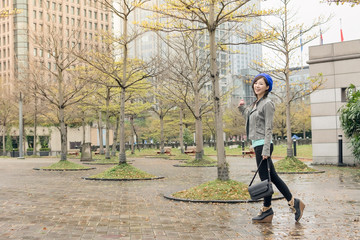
pixel 259 123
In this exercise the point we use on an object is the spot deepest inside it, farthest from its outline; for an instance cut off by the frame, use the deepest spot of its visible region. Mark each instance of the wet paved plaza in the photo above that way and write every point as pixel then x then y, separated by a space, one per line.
pixel 61 205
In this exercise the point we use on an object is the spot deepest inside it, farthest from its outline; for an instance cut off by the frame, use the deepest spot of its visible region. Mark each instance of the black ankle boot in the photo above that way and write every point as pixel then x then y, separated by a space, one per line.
pixel 264 216
pixel 298 208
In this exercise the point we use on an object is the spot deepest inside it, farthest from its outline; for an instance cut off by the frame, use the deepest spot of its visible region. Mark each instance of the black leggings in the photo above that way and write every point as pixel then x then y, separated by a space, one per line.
pixel 275 179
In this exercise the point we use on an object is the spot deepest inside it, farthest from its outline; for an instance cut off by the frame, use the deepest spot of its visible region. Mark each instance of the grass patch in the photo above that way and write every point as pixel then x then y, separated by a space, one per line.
pixel 65 165
pixel 216 190
pixel 302 151
pixel 143 152
pixel 292 164
pixel 229 151
pixel 206 161
pixel 164 156
pixel 123 171
pixel 181 156
pixel 111 160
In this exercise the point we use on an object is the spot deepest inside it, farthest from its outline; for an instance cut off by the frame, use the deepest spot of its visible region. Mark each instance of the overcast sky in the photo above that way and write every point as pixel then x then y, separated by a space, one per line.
pixel 308 10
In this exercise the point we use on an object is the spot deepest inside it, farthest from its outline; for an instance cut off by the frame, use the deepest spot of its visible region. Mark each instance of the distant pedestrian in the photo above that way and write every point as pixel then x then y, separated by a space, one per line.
pixel 259 125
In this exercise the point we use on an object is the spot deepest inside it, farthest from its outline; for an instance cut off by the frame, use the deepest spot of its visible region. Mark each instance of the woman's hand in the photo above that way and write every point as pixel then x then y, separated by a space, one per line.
pixel 241 103
pixel 265 157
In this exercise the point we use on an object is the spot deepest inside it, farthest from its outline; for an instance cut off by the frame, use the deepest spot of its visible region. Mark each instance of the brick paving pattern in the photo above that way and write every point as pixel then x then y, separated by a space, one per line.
pixel 61 205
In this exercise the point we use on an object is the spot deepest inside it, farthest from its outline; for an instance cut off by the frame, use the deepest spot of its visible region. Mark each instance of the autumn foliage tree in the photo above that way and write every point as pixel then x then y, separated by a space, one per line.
pixel 189 77
pixel 302 118
pixel 286 42
pixel 114 60
pixel 209 16
pixel 7 109
pixel 56 81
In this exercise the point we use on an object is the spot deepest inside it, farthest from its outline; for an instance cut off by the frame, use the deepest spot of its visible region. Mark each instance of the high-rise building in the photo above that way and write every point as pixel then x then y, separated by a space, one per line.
pixel 17 46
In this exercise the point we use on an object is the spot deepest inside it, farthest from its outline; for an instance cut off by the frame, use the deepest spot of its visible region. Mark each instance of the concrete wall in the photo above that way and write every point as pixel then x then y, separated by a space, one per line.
pixel 340 65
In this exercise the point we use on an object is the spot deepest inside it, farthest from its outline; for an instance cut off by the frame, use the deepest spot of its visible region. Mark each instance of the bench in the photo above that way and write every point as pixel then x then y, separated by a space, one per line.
pixel 97 151
pixel 167 150
pixel 250 153
pixel 191 149
pixel 74 152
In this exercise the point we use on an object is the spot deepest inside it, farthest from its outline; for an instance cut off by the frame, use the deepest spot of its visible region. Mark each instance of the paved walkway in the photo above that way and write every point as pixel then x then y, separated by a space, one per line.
pixel 61 205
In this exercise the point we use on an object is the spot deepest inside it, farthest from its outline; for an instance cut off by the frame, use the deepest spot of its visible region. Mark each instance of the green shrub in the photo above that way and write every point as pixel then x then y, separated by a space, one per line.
pixel 188 137
pixel 350 120
pixel 44 149
pixel 8 144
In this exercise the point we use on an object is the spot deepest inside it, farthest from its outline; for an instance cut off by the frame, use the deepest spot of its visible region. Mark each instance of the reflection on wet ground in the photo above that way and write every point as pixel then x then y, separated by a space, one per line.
pixel 61 205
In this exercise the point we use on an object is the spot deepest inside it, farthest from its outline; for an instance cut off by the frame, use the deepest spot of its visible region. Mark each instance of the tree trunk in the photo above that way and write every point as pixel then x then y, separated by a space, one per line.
pixel 63 134
pixel 198 124
pixel 35 128
pixel 289 150
pixel 122 154
pixel 162 134
pixel 101 142
pixel 214 138
pixel 304 132
pixel 181 135
pixel 107 152
pixel 3 139
pixel 199 139
pixel 132 142
pixel 223 169
pixel 83 129
pixel 115 137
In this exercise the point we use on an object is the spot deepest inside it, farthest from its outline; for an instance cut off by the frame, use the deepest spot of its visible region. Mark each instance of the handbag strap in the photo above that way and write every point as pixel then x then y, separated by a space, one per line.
pixel 257 170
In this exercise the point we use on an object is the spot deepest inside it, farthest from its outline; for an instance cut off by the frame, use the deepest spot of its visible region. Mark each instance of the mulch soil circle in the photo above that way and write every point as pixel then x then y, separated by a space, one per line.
pixel 125 179
pixel 177 165
pixel 316 172
pixel 93 163
pixel 65 170
pixel 217 201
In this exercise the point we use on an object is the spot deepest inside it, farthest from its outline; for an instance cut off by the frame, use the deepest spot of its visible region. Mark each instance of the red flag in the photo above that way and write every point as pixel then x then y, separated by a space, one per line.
pixel 341 32
pixel 321 38
pixel 341 35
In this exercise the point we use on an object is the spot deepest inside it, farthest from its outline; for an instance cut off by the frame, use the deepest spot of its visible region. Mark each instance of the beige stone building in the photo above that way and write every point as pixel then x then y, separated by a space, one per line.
pixel 88 18
pixel 340 65
pixel 75 137
pixel 16 44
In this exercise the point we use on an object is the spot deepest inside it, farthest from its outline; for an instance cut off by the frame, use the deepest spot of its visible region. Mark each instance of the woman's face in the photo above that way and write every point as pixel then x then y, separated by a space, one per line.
pixel 260 88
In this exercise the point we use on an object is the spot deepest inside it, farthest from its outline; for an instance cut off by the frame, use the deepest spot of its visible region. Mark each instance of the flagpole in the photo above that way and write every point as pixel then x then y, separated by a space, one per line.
pixel 301 47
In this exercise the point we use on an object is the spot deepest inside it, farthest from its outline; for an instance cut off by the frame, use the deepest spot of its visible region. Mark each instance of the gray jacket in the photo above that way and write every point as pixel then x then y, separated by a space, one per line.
pixel 259 122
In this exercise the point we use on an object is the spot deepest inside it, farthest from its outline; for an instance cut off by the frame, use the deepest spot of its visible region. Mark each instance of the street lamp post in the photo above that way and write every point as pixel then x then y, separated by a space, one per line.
pixel 21 153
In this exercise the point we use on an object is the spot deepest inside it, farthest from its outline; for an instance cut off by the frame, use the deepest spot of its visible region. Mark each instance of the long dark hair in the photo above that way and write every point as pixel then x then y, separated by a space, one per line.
pixel 266 82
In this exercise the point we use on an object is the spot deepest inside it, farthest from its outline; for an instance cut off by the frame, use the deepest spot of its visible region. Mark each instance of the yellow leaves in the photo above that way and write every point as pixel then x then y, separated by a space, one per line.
pixel 342 2
pixel 8 12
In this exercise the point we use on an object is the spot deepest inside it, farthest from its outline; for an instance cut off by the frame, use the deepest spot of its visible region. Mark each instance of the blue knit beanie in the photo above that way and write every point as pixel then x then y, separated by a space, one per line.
pixel 268 79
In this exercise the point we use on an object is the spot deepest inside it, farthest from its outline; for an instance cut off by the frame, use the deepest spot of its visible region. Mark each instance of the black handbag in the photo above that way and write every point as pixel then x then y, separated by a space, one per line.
pixel 262 189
